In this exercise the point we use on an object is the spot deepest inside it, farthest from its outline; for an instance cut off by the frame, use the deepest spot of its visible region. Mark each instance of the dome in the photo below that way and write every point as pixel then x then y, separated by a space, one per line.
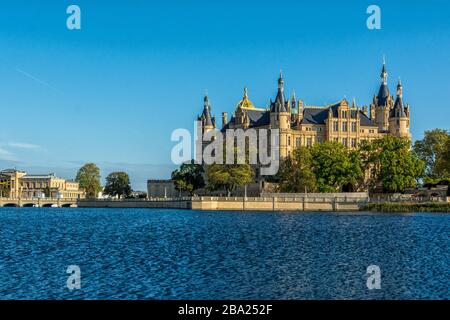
pixel 245 103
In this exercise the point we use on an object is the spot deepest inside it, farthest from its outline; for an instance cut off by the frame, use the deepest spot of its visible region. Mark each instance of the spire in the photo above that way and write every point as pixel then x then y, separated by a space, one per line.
pixel 245 93
pixel 383 93
pixel 399 108
pixel 206 116
pixel 279 105
pixel 293 100
pixel 399 88
pixel 281 81
pixel 384 73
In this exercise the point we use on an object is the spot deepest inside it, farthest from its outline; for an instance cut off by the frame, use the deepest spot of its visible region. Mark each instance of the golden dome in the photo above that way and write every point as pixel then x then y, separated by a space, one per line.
pixel 245 103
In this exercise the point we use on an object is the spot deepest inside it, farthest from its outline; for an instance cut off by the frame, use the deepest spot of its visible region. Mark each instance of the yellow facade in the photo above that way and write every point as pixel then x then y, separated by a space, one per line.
pixel 19 184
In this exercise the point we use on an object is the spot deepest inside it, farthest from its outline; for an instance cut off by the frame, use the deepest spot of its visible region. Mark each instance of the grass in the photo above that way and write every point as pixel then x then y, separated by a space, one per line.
pixel 407 207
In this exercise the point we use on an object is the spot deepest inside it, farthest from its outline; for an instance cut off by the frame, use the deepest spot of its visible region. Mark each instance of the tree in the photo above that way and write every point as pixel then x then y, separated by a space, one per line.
pixel 430 150
pixel 392 163
pixel 89 179
pixel 335 166
pixel 228 176
pixel 118 184
pixel 443 162
pixel 189 177
pixel 295 174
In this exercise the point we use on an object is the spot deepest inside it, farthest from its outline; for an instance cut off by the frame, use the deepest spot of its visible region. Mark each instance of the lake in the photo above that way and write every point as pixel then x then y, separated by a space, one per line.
pixel 177 254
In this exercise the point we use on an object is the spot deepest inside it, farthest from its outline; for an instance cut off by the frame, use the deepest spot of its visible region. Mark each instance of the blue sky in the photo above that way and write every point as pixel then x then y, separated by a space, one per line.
pixel 113 92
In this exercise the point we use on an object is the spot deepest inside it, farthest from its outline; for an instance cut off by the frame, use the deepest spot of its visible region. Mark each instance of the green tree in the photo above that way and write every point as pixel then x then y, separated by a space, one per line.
pixel 189 177
pixel 89 179
pixel 335 166
pixel 118 184
pixel 296 174
pixel 430 150
pixel 392 164
pixel 228 176
pixel 443 162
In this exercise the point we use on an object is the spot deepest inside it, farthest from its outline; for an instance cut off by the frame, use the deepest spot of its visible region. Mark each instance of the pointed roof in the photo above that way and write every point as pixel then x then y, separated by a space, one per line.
pixel 279 105
pixel 383 70
pixel 383 92
pixel 399 108
pixel 206 115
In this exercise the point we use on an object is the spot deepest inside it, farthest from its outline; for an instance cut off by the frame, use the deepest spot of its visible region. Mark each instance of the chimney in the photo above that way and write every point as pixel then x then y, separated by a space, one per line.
pixel 224 119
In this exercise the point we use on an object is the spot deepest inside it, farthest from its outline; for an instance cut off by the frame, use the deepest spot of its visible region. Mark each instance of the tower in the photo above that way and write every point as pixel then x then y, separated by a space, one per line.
pixel 399 116
pixel 280 118
pixel 382 103
pixel 208 122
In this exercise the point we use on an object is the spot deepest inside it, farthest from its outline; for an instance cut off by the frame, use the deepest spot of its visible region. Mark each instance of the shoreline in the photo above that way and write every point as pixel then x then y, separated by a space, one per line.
pixel 274 204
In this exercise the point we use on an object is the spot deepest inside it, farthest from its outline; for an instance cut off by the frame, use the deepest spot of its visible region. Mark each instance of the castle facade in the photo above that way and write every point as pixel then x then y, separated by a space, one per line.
pixel 303 125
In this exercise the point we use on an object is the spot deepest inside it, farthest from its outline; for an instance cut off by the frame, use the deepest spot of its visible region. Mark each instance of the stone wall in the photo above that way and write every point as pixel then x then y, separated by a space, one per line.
pixel 312 202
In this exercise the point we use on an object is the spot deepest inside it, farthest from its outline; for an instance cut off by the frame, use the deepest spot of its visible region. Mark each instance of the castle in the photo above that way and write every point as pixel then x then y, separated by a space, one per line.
pixel 302 125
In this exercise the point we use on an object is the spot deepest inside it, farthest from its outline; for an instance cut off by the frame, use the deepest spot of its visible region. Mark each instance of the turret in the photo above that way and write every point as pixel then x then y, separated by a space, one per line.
pixel 280 118
pixel 208 122
pixel 382 103
pixel 399 116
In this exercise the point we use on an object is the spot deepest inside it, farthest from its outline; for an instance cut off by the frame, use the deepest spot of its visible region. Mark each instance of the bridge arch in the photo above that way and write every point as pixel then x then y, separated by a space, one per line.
pixel 28 205
pixel 10 205
pixel 48 205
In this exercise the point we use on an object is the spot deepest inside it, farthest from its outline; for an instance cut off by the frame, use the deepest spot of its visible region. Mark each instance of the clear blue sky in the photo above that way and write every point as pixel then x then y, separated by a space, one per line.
pixel 113 91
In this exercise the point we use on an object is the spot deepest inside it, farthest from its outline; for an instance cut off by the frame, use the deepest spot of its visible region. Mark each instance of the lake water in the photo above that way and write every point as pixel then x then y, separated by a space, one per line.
pixel 175 254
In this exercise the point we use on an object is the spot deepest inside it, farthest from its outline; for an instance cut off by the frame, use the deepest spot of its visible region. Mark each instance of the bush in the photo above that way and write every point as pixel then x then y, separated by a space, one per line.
pixel 407 207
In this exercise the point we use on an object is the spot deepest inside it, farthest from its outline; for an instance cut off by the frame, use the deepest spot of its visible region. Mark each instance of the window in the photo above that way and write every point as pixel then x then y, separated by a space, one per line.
pixel 344 126
pixel 345 142
pixel 297 142
pixel 289 140
pixel 319 139
pixel 344 114
pixel 353 126
pixel 335 126
pixel 309 142
pixel 353 142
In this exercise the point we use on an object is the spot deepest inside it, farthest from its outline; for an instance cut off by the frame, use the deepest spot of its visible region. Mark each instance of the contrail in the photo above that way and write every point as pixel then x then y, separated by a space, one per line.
pixel 37 80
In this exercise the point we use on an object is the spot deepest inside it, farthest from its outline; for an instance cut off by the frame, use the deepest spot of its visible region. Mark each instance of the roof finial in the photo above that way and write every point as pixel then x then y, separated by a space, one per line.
pixel 384 59
pixel 245 93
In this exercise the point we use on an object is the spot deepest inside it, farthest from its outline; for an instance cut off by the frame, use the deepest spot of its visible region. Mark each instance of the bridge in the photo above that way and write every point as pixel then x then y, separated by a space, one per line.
pixel 38 202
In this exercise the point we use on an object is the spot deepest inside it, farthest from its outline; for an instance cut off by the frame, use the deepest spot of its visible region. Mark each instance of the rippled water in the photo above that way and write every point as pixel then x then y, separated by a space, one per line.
pixel 174 254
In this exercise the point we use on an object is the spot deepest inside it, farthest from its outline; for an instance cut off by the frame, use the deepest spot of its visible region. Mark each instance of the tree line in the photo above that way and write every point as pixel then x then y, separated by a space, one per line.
pixel 117 183
pixel 388 164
